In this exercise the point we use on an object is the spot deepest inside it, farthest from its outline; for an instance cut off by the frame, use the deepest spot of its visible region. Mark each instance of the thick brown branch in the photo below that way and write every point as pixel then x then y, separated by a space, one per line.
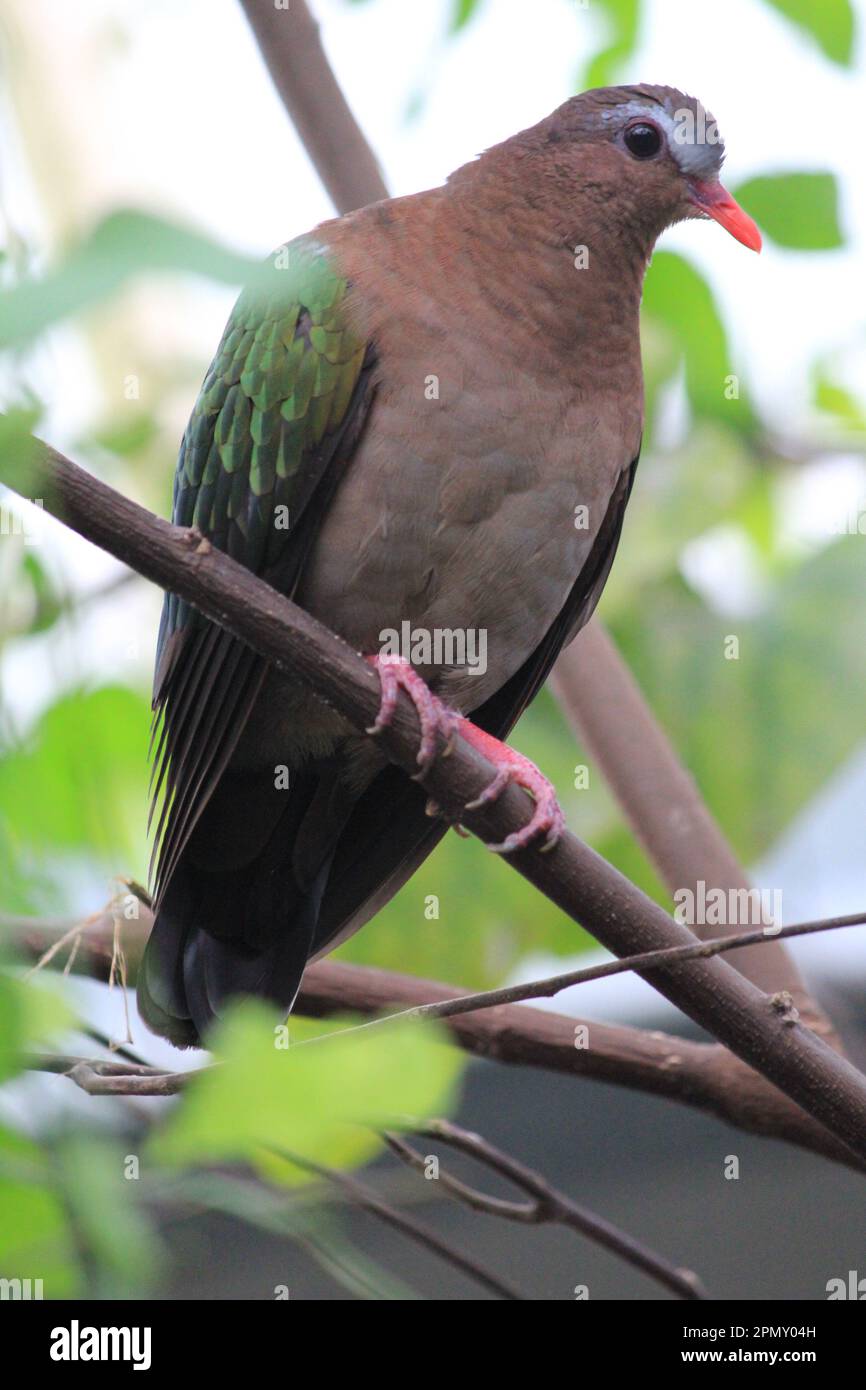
pixel 705 1076
pixel 758 1029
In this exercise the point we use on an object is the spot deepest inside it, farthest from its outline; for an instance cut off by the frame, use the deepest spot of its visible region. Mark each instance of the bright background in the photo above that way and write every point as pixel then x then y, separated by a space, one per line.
pixel 135 137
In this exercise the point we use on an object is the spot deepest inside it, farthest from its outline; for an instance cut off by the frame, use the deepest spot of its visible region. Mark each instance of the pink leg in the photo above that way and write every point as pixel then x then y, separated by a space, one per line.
pixel 547 818
pixel 435 718
pixel 395 674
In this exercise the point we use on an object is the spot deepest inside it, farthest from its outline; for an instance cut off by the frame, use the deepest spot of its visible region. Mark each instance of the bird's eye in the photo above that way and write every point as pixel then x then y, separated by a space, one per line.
pixel 643 140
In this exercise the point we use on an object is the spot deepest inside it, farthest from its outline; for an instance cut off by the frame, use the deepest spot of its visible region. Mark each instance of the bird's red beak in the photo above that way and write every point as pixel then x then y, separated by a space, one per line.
pixel 716 202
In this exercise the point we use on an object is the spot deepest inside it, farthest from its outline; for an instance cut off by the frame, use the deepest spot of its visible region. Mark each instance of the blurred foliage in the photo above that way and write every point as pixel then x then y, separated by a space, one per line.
pixel 74 786
pixel 31 1013
pixel 830 23
pixel 761 733
pixel 699 338
pixel 315 1099
pixel 461 13
pixel 36 1239
pixel 622 19
pixel 800 211
pixel 125 244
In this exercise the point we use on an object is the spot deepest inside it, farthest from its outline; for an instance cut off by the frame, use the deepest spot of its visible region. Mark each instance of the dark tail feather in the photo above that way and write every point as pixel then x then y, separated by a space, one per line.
pixel 193 967
pixel 239 912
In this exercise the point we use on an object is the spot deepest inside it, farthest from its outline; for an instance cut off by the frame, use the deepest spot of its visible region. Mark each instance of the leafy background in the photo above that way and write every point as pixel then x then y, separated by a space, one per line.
pixel 112 300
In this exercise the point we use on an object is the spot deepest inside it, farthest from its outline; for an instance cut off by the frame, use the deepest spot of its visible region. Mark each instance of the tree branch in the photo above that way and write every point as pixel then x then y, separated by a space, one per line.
pixel 368 1200
pixel 646 960
pixel 758 1029
pixel 546 1206
pixel 292 50
pixel 704 1076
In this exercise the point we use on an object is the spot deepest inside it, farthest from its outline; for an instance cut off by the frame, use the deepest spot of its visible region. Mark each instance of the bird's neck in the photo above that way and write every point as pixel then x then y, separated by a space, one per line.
pixel 577 274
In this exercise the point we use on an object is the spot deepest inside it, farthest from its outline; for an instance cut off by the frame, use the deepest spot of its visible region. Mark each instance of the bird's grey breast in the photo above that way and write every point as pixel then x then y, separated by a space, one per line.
pixel 470 506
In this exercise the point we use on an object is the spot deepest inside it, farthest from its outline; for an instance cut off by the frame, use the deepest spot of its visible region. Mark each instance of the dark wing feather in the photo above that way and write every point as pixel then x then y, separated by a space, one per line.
pixel 277 417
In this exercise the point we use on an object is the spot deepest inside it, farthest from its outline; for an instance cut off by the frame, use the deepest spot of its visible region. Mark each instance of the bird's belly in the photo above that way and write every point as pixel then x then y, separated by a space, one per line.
pixel 459 558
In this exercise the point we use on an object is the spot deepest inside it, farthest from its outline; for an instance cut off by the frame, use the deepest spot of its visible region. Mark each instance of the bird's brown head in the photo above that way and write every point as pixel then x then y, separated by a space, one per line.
pixel 633 159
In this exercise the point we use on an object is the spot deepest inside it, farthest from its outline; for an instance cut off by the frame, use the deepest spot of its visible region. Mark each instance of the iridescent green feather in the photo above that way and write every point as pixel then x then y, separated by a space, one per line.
pixel 281 381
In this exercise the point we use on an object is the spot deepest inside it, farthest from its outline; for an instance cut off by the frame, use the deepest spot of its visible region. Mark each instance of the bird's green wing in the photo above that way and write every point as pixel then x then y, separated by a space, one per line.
pixel 275 423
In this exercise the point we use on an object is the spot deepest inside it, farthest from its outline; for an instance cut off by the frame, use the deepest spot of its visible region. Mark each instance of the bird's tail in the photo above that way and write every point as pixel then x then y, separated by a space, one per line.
pixel 239 913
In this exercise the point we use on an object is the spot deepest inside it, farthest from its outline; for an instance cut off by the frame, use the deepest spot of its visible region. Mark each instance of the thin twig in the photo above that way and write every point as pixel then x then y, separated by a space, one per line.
pixel 647 960
pixel 368 1199
pixel 110 1078
pixel 547 1206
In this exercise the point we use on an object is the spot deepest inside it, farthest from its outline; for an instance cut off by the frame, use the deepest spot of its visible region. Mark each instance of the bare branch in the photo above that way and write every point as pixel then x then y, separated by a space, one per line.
pixel 701 1075
pixel 546 1207
pixel 660 799
pixel 103 1078
pixel 572 875
pixel 369 1200
pixel 292 50
pixel 647 960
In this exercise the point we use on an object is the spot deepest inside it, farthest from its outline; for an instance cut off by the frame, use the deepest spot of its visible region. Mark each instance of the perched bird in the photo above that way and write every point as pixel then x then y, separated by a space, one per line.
pixel 428 414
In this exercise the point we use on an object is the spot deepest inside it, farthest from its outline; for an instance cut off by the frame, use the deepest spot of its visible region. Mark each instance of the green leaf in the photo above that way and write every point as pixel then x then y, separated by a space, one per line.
pixel 835 400
pixel 122 1251
pixel 461 13
pixel 48 603
pixel 678 297
pixel 622 18
pixel 31 1012
pixel 35 1239
pixel 313 1099
pixel 799 211
pixel 680 493
pixel 829 22
pixel 127 435
pixel 747 728
pixel 79 781
pixel 124 245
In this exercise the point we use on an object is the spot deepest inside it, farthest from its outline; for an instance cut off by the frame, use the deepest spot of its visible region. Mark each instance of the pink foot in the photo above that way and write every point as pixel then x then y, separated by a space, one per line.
pixel 435 718
pixel 547 818
pixel 395 674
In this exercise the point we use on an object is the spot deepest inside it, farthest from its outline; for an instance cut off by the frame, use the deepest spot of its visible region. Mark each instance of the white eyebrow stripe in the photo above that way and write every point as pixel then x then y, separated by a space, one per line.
pixel 693 137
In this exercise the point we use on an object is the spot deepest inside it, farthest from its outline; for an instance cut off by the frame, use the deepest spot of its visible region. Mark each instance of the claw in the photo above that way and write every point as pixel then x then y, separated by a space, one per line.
pixel 435 812
pixel 435 719
pixel 547 818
